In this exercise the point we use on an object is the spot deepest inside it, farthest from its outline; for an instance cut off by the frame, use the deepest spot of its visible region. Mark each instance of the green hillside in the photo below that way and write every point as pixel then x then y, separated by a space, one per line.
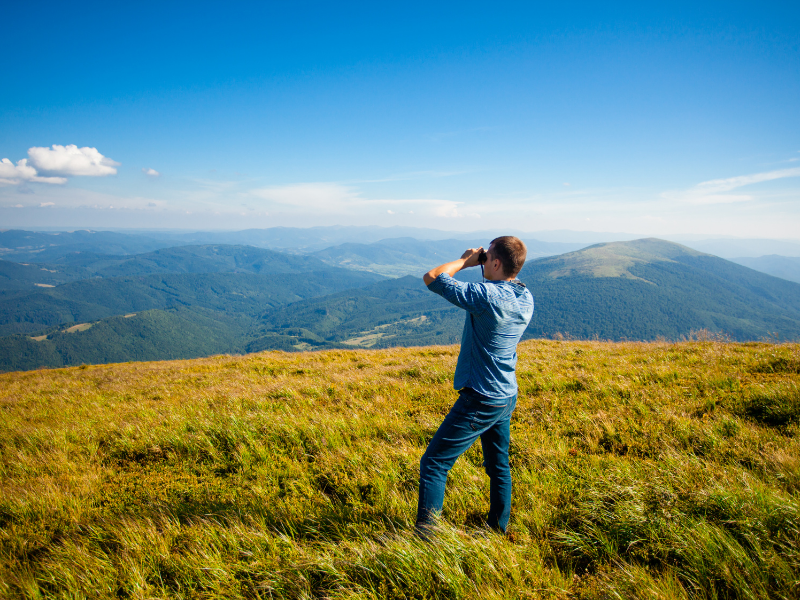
pixel 98 298
pixel 399 312
pixel 148 335
pixel 198 300
pixel 16 277
pixel 650 288
pixel 206 259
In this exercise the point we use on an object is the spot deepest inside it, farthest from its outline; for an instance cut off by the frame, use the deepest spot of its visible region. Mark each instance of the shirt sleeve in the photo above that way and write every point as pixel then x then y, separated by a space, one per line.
pixel 469 296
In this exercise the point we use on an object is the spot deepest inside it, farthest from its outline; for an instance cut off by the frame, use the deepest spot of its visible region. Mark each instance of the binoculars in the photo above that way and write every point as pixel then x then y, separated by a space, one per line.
pixel 482 257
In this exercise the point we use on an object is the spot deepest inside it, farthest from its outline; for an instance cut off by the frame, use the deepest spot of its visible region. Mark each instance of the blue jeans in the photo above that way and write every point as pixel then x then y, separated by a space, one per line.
pixel 472 416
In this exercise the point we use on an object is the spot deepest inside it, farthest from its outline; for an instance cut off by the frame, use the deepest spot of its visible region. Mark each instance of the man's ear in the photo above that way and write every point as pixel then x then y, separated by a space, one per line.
pixel 499 267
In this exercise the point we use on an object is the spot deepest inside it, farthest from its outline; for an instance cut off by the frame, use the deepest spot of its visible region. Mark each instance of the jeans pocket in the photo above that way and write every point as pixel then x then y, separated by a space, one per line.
pixel 484 415
pixel 492 405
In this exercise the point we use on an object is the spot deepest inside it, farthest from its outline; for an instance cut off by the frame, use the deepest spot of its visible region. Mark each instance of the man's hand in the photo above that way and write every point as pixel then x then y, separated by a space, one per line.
pixel 467 260
pixel 470 257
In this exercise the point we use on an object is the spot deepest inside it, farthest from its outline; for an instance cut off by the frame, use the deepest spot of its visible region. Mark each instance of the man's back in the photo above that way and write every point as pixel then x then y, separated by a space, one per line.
pixel 498 312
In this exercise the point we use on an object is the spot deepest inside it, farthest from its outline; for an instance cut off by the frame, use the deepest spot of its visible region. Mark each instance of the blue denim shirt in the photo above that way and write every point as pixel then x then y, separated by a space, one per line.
pixel 497 314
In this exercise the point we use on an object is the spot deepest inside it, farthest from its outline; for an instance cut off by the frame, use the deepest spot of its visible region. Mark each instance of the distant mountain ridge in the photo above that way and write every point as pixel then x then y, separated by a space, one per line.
pixel 734 248
pixel 785 267
pixel 182 259
pixel 20 245
pixel 196 300
pixel 407 256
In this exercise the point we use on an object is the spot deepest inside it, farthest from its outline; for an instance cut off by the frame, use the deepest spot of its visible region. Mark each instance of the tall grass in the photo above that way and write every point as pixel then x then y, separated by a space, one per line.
pixel 641 471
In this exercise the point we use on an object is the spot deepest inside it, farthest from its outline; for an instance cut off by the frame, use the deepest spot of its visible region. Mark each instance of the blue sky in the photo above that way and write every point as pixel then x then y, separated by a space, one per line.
pixel 462 116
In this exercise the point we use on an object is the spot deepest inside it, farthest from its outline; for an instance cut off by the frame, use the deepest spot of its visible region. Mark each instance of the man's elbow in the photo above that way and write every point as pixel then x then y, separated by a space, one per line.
pixel 428 278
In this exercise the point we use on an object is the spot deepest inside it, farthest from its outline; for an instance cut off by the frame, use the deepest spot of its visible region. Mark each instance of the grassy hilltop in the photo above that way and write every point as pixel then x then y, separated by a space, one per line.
pixel 642 470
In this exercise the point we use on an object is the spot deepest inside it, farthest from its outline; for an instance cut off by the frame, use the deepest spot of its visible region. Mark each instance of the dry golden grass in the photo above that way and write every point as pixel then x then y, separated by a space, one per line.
pixel 641 470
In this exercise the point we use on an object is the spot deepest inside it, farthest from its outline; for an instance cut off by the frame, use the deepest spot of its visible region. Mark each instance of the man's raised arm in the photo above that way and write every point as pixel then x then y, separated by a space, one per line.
pixel 468 259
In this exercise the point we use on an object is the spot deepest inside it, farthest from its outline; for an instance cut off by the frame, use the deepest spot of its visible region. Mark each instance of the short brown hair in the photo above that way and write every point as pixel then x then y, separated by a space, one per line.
pixel 511 252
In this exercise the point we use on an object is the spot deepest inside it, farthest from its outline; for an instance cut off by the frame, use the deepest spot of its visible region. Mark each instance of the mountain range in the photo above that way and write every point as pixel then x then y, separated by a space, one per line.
pixel 30 246
pixel 195 300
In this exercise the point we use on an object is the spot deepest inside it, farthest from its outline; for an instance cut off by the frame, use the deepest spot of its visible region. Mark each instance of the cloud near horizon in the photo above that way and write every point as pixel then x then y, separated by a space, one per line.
pixel 713 191
pixel 336 198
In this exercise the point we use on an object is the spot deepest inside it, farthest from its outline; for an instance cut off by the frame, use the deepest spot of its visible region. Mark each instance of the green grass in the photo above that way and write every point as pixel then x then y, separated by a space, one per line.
pixel 641 471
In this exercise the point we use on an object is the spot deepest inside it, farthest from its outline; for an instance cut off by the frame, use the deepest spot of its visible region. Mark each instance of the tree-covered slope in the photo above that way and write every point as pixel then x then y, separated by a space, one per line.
pixel 149 335
pixel 99 298
pixel 398 312
pixel 650 288
pixel 15 277
pixel 209 259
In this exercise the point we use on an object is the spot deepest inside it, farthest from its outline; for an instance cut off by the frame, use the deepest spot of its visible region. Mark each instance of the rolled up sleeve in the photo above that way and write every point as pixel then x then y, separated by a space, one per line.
pixel 469 296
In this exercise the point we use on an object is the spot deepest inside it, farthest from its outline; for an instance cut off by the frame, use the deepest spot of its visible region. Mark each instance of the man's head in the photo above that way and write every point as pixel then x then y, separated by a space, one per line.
pixel 510 251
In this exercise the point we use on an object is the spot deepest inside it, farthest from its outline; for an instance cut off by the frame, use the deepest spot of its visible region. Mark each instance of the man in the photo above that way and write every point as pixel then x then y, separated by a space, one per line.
pixel 498 311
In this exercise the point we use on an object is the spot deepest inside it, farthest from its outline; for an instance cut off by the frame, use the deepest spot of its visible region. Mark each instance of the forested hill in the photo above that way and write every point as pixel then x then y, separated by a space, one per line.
pixel 171 303
pixel 182 259
pixel 649 288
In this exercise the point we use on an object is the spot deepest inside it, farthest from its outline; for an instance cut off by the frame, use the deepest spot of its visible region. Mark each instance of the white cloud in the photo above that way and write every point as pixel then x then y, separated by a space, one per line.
pixel 714 190
pixel 151 172
pixel 11 174
pixel 725 185
pixel 46 204
pixel 71 161
pixel 335 198
pixel 309 195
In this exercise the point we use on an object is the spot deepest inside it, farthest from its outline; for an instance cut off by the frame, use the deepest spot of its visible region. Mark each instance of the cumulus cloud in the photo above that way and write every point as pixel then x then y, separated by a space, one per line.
pixel 71 161
pixel 715 191
pixel 151 172
pixel 11 174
